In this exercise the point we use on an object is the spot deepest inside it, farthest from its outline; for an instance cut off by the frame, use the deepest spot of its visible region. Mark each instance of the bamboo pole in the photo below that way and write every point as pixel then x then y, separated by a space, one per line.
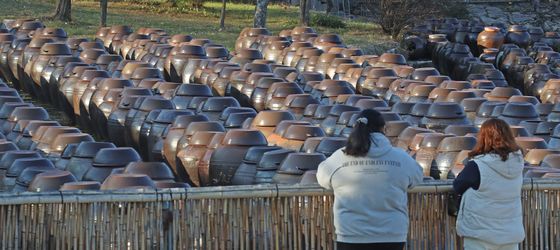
pixel 244 217
pixel 263 191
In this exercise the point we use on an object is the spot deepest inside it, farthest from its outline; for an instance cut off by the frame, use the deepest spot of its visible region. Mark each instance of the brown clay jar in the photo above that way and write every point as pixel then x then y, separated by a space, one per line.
pixel 490 37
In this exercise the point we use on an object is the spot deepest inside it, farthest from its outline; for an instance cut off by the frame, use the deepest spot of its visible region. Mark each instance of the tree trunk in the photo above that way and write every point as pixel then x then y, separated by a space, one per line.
pixel 304 12
pixel 223 16
pixel 330 6
pixel 103 5
pixel 173 3
pixel 260 14
pixel 64 11
pixel 197 4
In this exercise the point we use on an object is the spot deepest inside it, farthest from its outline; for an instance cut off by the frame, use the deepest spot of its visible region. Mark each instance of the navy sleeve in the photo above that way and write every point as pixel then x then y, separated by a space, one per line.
pixel 468 178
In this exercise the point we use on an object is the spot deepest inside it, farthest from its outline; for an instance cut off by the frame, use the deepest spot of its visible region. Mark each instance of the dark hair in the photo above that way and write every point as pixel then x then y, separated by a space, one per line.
pixel 359 140
pixel 495 136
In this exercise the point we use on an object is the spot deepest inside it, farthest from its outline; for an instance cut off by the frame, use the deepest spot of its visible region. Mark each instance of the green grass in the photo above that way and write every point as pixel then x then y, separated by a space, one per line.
pixel 202 23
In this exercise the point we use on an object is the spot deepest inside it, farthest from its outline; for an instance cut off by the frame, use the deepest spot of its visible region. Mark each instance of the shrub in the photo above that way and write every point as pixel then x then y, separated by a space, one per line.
pixel 328 21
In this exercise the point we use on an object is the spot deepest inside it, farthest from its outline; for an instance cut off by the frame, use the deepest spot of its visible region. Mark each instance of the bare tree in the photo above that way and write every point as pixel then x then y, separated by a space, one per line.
pixel 103 5
pixel 394 15
pixel 223 16
pixel 304 12
pixel 260 14
pixel 63 11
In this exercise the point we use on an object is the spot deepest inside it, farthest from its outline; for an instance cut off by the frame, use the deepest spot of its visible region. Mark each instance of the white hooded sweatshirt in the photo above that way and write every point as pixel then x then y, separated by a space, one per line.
pixel 370 204
pixel 493 212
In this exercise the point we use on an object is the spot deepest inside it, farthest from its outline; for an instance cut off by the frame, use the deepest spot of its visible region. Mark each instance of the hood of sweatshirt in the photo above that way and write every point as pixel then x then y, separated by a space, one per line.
pixel 380 145
pixel 511 168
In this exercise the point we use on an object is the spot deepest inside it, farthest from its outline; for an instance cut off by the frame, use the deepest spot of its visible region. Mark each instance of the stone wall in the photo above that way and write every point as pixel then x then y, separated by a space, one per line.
pixel 546 16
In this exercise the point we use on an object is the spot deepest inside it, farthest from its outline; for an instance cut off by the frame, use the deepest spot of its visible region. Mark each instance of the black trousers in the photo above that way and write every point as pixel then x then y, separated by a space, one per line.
pixel 370 246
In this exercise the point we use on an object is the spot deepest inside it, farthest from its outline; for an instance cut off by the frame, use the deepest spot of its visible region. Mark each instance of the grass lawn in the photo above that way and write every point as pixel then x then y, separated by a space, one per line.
pixel 199 23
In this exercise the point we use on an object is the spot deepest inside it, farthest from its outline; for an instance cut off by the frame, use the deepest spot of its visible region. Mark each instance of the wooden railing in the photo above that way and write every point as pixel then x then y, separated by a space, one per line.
pixel 241 217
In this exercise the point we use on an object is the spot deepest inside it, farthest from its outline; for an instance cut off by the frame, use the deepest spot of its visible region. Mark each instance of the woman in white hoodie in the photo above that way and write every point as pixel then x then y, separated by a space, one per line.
pixel 490 215
pixel 370 179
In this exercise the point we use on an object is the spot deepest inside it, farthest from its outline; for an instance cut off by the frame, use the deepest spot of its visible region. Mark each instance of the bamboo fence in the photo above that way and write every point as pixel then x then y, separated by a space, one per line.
pixel 240 217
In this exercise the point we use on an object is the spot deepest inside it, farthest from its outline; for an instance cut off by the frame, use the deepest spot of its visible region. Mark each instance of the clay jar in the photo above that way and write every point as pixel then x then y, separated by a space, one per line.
pixel 536 34
pixel 472 36
pixel 416 46
pixel 551 39
pixel 518 34
pixel 490 37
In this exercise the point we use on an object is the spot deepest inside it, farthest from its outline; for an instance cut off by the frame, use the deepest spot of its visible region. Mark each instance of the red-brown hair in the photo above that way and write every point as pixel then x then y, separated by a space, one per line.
pixel 495 136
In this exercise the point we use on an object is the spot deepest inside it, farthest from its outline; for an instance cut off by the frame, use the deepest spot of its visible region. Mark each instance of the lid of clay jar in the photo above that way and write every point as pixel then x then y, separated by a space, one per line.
pixel 155 170
pixel 329 38
pixel 369 104
pixel 437 37
pixel 214 104
pixel 127 181
pixel 302 132
pixel 55 49
pixel 445 110
pixel 523 98
pixel 232 110
pixel 504 92
pixel 80 185
pixel 179 38
pixel 536 31
pixel 120 29
pixel 114 157
pixel 394 128
pixel 337 109
pixel 8 107
pixel 457 143
pixel 299 100
pixel 551 34
pixel 460 130
pixel 521 110
pixel 302 30
pixel 551 161
pixel 380 72
pixel 107 58
pixel 244 137
pixel 167 116
pixel 271 118
pixel 285 124
pixel 491 29
pixel 297 163
pixel 486 108
pixel 249 54
pixel 31 25
pixel 217 52
pixel 183 121
pixel 483 84
pixel 19 165
pixel 420 109
pixel 490 51
pixel 392 58
pixel 527 143
pixel 517 28
pixel 50 181
pixel 471 104
pixel 92 54
pixel 194 127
